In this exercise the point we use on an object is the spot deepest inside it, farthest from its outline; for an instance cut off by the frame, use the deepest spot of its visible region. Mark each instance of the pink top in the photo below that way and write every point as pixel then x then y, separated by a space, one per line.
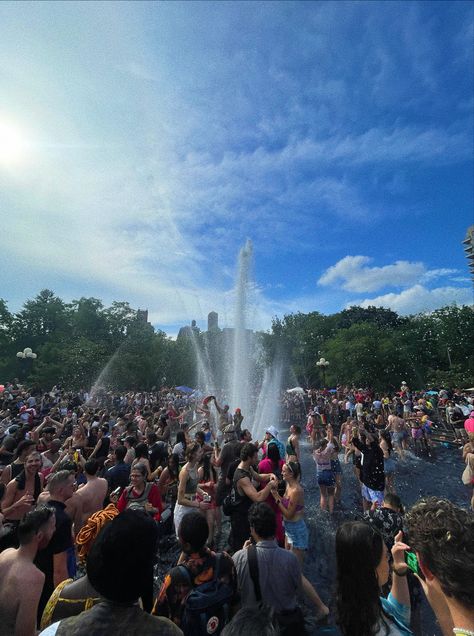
pixel 469 425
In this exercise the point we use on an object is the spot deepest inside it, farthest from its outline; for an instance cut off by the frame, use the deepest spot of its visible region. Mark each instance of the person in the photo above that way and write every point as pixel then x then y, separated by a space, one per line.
pixel 22 581
pixel 157 453
pixel 101 449
pixel 52 560
pixel 362 570
pixel 70 597
pixel 180 447
pixel 372 475
pixel 274 464
pixel 223 459
pixel 442 536
pixel 326 479
pixel 141 495
pixel 271 437
pixel 200 563
pixel 207 482
pixel 389 464
pixel 291 507
pixel 118 475
pixel 168 482
pixel 24 448
pixel 244 493
pixel 396 426
pixel 142 457
pixel 23 491
pixel 188 487
pixel 293 444
pixel 90 497
pixel 237 420
pixel 278 581
pixel 120 567
pixel 388 519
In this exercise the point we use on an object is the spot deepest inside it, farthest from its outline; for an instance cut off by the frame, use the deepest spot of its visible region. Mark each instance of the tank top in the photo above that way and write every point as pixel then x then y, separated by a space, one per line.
pixel 192 482
pixel 243 502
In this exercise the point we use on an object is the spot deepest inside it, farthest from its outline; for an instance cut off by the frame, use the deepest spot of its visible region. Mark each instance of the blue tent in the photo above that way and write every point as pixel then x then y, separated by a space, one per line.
pixel 184 389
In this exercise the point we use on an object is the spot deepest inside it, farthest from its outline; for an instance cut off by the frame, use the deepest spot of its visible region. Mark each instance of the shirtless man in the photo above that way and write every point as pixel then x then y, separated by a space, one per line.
pixel 396 426
pixel 22 582
pixel 89 498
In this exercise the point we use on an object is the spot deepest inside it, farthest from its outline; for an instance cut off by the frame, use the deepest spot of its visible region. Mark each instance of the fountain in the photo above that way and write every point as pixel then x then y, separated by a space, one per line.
pixel 243 382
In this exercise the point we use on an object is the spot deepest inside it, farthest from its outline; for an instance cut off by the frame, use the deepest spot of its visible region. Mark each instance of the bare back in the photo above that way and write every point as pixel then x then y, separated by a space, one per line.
pixel 22 584
pixel 91 497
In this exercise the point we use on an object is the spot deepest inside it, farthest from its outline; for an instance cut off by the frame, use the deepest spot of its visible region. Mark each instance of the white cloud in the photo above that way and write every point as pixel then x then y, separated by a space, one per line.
pixel 438 273
pixel 419 299
pixel 353 274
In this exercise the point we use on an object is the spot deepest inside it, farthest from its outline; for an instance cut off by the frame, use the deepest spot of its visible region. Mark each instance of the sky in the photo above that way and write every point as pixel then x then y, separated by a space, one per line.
pixel 142 144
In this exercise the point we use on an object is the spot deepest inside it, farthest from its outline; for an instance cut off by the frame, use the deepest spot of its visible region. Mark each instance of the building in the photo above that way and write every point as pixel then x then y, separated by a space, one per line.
pixel 469 250
pixel 212 321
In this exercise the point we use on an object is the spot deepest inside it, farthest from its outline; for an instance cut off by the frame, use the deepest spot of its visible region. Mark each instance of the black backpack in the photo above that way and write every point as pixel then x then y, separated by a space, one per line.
pixel 207 606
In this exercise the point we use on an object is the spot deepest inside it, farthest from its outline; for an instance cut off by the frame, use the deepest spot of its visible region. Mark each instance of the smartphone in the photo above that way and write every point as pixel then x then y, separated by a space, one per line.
pixel 412 561
pixel 117 491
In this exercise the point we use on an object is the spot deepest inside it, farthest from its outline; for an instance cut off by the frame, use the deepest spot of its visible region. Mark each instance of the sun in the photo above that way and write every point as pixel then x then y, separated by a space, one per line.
pixel 13 144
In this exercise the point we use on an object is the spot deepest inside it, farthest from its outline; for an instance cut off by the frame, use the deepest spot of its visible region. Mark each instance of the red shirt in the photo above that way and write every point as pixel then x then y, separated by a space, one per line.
pixel 154 498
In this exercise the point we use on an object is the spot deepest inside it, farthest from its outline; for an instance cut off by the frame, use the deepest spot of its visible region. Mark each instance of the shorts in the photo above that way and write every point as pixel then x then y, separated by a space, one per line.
pixel 397 437
pixel 297 534
pixel 326 478
pixel 336 466
pixel 372 495
pixel 180 512
pixel 389 466
pixel 416 433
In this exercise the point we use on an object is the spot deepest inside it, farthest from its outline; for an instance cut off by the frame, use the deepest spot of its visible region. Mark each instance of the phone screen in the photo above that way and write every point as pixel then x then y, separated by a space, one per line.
pixel 412 562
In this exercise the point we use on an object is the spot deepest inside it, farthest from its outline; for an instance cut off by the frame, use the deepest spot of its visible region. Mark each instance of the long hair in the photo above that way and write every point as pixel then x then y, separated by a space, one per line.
pixel 209 472
pixel 273 455
pixel 359 549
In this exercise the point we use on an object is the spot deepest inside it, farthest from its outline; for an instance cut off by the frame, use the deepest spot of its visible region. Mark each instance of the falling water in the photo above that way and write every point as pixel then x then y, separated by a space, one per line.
pixel 244 384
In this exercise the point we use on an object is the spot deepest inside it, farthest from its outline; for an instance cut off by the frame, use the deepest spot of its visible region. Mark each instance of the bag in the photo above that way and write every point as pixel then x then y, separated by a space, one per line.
pixel 207 606
pixel 137 503
pixel 288 622
pixel 231 501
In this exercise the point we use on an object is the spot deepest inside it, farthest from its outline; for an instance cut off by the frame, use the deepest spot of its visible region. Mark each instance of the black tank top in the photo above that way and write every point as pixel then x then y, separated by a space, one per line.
pixel 244 502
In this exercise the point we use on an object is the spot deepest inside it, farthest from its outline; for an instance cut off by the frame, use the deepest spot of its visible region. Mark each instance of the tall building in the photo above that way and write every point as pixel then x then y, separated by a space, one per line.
pixel 212 321
pixel 469 249
pixel 142 315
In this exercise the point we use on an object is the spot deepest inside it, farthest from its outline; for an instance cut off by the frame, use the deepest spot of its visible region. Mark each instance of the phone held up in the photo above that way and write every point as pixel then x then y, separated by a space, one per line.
pixel 412 561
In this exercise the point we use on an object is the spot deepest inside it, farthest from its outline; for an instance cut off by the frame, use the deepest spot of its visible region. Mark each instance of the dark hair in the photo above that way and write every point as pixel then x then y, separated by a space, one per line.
pixel 32 523
pixel 359 549
pixel 297 429
pixel 394 500
pixel 248 450
pixel 120 562
pixel 252 621
pixel 209 472
pixel 174 457
pixel 120 453
pixel 194 530
pixel 443 535
pixel 244 433
pixel 263 520
pixel 151 437
pixel 200 435
pixel 181 438
pixel 141 450
pixel 23 445
pixel 273 454
pixel 130 439
pixel 191 450
pixel 91 466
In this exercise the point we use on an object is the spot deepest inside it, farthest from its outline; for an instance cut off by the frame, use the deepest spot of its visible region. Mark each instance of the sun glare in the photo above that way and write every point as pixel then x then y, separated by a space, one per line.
pixel 12 144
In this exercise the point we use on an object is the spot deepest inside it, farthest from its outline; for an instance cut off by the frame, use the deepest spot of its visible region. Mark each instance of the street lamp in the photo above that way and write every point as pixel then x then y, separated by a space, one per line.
pixel 26 358
pixel 323 364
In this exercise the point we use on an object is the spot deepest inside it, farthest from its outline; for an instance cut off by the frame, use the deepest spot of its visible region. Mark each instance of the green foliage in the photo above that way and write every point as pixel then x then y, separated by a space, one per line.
pixel 84 342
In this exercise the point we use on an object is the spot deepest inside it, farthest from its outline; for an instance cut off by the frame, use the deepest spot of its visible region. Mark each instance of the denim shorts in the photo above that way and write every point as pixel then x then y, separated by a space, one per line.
pixel 372 495
pixel 297 534
pixel 326 478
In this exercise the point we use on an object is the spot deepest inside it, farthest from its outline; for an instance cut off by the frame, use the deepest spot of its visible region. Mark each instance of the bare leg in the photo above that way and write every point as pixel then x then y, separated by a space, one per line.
pixel 331 500
pixel 338 490
pixel 323 498
pixel 365 504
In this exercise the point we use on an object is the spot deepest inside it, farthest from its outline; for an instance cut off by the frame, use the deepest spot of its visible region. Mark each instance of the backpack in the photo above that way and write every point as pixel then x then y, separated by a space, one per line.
pixel 137 503
pixel 207 606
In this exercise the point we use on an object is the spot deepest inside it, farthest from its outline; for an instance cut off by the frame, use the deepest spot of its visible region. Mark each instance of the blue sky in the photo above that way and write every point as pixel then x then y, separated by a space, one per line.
pixel 145 142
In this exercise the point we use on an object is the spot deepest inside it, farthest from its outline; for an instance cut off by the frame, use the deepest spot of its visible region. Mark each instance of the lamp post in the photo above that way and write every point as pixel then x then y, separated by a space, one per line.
pixel 25 358
pixel 323 364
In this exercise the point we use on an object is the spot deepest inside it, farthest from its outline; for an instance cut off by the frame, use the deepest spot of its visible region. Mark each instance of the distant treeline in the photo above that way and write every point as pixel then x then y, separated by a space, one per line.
pixel 75 341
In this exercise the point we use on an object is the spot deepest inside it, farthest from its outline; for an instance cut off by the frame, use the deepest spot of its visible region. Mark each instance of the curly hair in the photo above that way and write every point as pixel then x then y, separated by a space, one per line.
pixel 443 535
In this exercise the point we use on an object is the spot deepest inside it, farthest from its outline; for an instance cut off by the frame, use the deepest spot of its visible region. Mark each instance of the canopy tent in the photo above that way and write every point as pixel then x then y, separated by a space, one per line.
pixel 184 389
pixel 296 389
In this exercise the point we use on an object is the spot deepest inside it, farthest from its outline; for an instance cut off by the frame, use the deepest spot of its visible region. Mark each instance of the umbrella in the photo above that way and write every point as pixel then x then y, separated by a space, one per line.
pixel 184 389
pixel 332 390
pixel 296 389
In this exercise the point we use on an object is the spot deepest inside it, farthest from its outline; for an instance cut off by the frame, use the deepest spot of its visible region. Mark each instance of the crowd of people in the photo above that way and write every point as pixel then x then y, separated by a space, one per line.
pixel 93 486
